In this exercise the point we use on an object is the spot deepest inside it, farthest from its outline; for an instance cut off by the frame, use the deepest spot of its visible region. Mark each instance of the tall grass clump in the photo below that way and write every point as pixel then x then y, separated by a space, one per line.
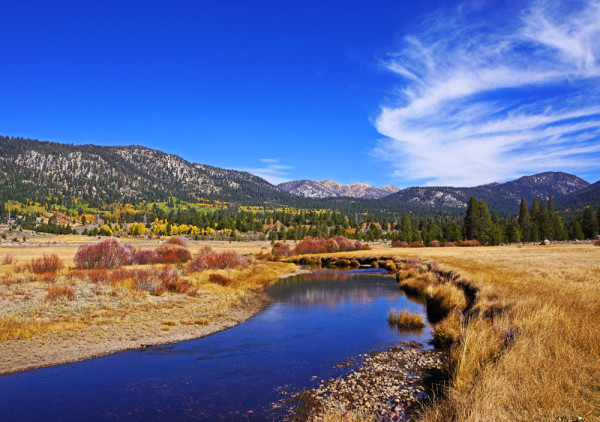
pixel 405 319
pixel 442 299
pixel 208 259
pixel 46 264
pixel 8 259
pixel 105 254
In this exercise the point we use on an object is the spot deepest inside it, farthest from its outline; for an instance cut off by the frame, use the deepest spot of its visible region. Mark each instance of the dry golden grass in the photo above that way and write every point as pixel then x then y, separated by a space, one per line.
pixel 36 303
pixel 405 319
pixel 531 350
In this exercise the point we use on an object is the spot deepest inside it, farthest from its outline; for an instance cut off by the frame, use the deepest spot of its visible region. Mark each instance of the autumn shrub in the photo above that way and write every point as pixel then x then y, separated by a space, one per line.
pixel 46 264
pixel 98 275
pixel 470 243
pixel 399 244
pixel 55 293
pixel 331 246
pixel 434 244
pixel 177 241
pixel 281 249
pixel 106 254
pixel 171 254
pixel 144 256
pixel 8 259
pixel 416 244
pixel 597 242
pixel 220 279
pixel 311 245
pixel 449 244
pixel 208 259
pixel 172 282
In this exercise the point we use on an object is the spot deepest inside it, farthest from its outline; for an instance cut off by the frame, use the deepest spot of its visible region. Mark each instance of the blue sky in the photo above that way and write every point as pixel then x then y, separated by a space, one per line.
pixel 407 93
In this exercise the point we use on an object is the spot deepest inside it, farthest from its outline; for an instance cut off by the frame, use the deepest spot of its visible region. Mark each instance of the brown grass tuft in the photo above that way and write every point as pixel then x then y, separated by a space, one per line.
pixel 55 293
pixel 46 264
pixel 220 279
pixel 406 319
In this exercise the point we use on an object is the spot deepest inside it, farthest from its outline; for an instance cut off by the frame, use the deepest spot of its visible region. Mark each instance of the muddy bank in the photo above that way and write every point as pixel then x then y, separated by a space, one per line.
pixel 389 385
pixel 136 329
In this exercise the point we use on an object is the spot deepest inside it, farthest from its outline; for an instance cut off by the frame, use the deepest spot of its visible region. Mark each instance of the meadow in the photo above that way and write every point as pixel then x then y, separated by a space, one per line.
pixel 529 347
pixel 524 346
pixel 56 309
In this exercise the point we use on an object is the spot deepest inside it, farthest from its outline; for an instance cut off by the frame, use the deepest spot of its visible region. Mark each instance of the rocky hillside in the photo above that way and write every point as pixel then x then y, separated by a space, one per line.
pixel 581 198
pixel 31 168
pixel 499 196
pixel 330 189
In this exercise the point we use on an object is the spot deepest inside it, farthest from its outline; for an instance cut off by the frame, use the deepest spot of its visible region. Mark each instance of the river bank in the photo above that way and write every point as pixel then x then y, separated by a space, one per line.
pixel 139 327
pixel 387 385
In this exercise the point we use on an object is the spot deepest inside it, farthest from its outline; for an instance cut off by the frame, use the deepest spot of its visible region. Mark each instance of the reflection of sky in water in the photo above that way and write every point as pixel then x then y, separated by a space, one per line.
pixel 316 323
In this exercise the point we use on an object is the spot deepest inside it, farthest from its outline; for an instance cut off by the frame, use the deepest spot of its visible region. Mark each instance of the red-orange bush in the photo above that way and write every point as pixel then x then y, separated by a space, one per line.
pixel 449 244
pixel 416 244
pixel 55 292
pixel 220 279
pixel 172 282
pixel 144 256
pixel 208 259
pixel 46 264
pixel 470 243
pixel 434 243
pixel 171 254
pixel 311 245
pixel 399 244
pixel 282 249
pixel 106 254
pixel 597 242
pixel 331 246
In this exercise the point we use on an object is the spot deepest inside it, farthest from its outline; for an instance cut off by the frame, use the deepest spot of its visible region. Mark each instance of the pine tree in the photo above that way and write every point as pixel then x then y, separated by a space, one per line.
pixel 534 216
pixel 524 220
pixel 589 223
pixel 513 232
pixel 484 224
pixel 545 223
pixel 577 231
pixel 406 229
pixel 472 219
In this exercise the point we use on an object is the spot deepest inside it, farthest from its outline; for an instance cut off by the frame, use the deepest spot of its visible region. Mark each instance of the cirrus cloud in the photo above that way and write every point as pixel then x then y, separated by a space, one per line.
pixel 482 102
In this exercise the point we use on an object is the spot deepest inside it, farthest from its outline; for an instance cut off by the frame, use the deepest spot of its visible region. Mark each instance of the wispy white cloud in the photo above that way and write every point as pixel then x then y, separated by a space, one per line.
pixel 271 170
pixel 484 101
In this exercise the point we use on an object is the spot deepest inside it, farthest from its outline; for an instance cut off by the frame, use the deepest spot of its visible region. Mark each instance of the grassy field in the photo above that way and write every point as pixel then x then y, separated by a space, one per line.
pixel 530 349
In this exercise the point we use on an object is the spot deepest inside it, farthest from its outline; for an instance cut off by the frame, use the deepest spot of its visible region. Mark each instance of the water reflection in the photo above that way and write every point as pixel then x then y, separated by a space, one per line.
pixel 333 288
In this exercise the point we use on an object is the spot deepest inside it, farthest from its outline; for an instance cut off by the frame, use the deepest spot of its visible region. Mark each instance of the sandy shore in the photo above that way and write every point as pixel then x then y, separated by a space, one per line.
pixel 136 329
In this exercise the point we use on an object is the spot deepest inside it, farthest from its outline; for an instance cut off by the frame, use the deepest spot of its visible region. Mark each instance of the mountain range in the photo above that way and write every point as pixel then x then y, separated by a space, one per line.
pixel 330 189
pixel 32 169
